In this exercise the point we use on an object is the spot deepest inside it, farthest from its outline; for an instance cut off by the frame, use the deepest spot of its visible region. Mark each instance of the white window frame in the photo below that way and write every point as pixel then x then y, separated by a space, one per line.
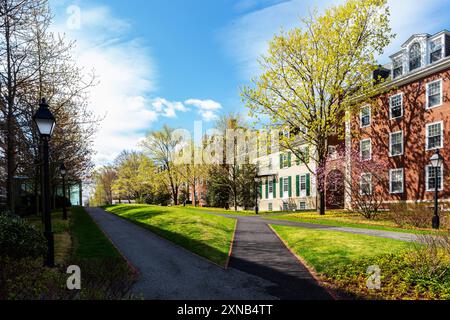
pixel 390 144
pixel 403 181
pixel 285 184
pixel 361 116
pixel 442 135
pixel 300 206
pixel 427 106
pixel 441 187
pixel 285 160
pixel 361 149
pixel 360 184
pixel 270 207
pixel 270 163
pixel 270 186
pixel 390 106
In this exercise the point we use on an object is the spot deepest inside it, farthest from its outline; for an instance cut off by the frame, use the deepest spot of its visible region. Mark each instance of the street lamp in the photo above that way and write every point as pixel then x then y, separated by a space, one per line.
pixel 436 162
pixel 45 122
pixel 63 172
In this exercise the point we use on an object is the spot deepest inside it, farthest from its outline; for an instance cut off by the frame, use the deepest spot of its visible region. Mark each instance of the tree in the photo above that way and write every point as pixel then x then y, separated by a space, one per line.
pixel 161 147
pixel 103 190
pixel 364 184
pixel 311 75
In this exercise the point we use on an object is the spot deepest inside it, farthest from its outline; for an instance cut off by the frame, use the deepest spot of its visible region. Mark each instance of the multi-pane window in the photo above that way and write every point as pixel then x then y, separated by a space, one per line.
pixel 285 160
pixel 365 116
pixel 303 183
pixel 396 143
pixel 270 187
pixel 396 106
pixel 432 180
pixel 397 68
pixel 366 184
pixel 415 57
pixel 434 136
pixel 366 149
pixel 270 207
pixel 332 152
pixel 304 155
pixel 436 50
pixel 434 94
pixel 302 206
pixel 285 185
pixel 270 163
pixel 396 181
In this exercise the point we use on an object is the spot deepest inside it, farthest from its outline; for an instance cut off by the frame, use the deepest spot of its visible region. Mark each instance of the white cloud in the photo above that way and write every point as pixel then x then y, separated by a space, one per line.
pixel 246 38
pixel 125 72
pixel 168 108
pixel 206 108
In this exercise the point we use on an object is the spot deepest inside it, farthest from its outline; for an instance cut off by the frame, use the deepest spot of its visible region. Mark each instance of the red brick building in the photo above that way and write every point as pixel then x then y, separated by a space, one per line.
pixel 410 120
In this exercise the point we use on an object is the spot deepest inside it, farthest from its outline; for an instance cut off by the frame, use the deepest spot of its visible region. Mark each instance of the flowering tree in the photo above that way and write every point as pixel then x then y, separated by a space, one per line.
pixel 364 184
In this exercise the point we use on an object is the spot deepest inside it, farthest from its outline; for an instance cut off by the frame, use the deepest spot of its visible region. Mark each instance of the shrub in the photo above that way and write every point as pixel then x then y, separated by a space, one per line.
pixel 416 215
pixel 18 239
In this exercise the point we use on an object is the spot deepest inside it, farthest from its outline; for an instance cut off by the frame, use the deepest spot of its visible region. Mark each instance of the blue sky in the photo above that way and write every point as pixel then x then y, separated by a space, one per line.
pixel 177 61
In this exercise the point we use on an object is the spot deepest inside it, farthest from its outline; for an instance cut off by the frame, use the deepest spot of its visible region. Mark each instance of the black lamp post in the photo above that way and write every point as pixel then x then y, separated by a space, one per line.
pixel 45 122
pixel 63 172
pixel 436 162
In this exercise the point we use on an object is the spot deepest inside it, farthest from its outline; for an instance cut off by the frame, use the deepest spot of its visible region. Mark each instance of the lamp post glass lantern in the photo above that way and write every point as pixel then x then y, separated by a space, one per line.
pixel 436 161
pixel 63 172
pixel 45 123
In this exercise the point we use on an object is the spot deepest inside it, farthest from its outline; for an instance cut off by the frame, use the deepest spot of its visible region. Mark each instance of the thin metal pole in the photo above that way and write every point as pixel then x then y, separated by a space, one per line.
pixel 64 198
pixel 48 233
pixel 436 222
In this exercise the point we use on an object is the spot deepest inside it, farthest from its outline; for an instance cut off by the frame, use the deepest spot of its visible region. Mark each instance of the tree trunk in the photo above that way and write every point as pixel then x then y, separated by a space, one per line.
pixel 321 202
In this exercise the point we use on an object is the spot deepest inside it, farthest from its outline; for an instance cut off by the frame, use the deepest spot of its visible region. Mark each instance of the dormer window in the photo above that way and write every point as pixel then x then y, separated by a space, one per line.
pixel 414 57
pixel 397 69
pixel 436 50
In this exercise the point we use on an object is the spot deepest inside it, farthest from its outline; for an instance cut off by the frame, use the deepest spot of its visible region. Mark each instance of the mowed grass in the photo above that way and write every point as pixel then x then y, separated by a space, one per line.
pixel 218 210
pixel 206 235
pixel 350 220
pixel 324 249
pixel 90 243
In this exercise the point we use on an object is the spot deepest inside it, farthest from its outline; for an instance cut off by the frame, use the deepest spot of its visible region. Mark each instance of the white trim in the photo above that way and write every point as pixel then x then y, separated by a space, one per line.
pixel 370 116
pixel 403 181
pixel 390 106
pixel 441 187
pixel 360 184
pixel 390 144
pixel 427 106
pixel 370 149
pixel 442 135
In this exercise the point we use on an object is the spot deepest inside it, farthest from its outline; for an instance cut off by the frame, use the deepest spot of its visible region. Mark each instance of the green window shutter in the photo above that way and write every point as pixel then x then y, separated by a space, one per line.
pixel 297 161
pixel 260 189
pixel 290 186
pixel 308 184
pixel 281 187
pixel 289 160
pixel 297 186
pixel 274 188
pixel 281 161
pixel 307 154
pixel 267 189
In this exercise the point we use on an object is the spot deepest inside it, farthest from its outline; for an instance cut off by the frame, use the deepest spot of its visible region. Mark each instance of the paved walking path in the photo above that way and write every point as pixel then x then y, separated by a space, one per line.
pixel 260 267
pixel 409 237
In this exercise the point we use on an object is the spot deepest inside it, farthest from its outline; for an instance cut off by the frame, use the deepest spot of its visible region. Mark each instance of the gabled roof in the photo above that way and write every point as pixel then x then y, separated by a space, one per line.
pixel 417 35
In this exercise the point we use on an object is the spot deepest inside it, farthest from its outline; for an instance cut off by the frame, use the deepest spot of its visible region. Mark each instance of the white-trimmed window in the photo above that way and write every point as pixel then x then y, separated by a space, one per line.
pixel 396 143
pixel 397 68
pixel 396 106
pixel 415 53
pixel 270 163
pixel 270 187
pixel 436 50
pixel 396 184
pixel 284 160
pixel 270 206
pixel 365 116
pixel 286 187
pixel 303 184
pixel 431 178
pixel 332 152
pixel 366 149
pixel 302 206
pixel 434 94
pixel 435 135
pixel 366 184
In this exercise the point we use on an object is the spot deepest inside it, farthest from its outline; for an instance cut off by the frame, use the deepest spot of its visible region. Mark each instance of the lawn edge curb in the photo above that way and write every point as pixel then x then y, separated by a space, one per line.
pixel 230 252
pixel 130 265
pixel 307 266
pixel 143 226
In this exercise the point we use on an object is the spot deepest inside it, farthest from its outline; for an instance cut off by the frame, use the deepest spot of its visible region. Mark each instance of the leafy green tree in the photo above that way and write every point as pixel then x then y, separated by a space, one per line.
pixel 312 74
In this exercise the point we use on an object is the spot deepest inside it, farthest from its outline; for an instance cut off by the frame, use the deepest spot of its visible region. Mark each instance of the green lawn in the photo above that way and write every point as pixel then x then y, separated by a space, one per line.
pixel 206 235
pixel 347 220
pixel 324 249
pixel 89 241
